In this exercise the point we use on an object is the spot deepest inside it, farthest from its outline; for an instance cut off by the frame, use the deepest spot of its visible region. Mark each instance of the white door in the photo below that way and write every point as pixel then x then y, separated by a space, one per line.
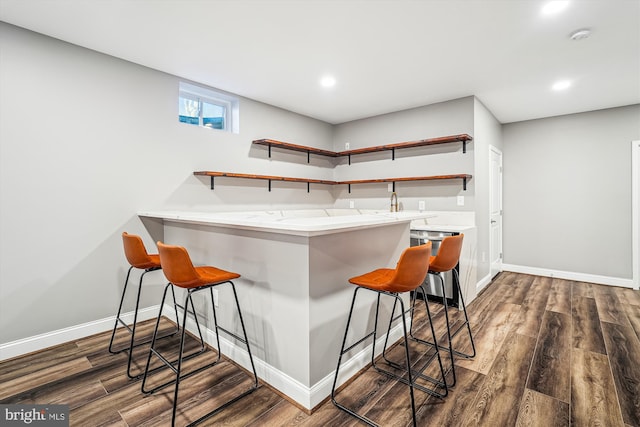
pixel 495 210
pixel 635 212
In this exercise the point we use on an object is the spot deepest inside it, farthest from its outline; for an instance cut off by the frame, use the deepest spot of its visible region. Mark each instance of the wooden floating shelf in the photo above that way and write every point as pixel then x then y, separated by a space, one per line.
pixel 262 177
pixel 294 147
pixel 212 174
pixel 463 177
pixel 464 138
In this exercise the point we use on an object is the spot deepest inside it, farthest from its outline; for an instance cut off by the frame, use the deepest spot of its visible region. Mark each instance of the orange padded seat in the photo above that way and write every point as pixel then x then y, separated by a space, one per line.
pixel 409 274
pixel 137 254
pixel 448 254
pixel 179 270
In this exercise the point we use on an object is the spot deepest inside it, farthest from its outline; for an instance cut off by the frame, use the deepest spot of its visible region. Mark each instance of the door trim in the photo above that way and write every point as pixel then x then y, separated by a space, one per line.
pixel 635 212
pixel 501 249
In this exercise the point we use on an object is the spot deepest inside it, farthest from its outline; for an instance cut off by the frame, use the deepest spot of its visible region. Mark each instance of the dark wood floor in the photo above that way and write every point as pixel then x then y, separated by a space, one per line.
pixel 551 352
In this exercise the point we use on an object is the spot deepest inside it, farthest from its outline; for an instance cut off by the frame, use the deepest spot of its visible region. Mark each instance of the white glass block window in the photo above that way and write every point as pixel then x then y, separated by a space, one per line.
pixel 208 108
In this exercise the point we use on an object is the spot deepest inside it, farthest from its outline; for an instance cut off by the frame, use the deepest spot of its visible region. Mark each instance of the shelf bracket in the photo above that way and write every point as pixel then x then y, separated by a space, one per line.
pixel 393 185
pixel 269 150
pixel 349 185
pixel 393 154
pixel 464 184
pixel 308 186
pixel 464 146
pixel 269 185
pixel 308 157
pixel 212 183
pixel 349 158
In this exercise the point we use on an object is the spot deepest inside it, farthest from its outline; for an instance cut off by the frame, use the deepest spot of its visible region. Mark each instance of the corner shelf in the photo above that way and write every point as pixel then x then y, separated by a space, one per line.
pixel 213 175
pixel 464 138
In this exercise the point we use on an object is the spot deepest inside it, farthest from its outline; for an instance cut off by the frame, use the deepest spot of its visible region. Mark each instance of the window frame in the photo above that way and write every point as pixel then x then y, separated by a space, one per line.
pixel 202 95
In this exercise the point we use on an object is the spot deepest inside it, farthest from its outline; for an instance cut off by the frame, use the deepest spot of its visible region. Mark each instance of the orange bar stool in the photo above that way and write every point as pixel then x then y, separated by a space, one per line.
pixel 137 257
pixel 408 275
pixel 179 270
pixel 445 260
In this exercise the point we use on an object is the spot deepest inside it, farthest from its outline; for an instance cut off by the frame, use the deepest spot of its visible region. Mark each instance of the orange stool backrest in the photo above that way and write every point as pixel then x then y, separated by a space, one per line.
pixel 177 266
pixel 448 254
pixel 136 253
pixel 412 268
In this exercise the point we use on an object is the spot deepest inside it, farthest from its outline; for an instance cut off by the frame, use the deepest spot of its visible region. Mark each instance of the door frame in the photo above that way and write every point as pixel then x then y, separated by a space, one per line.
pixel 497 151
pixel 635 212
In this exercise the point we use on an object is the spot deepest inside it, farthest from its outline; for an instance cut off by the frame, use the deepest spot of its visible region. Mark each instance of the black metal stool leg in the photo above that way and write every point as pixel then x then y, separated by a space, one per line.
pixel 180 352
pixel 410 382
pixel 195 316
pixel 406 351
pixel 386 340
pixel 342 352
pixel 435 345
pixel 153 341
pixel 133 328
pixel 466 320
pixel 244 332
pixel 115 326
pixel 446 316
pixel 413 306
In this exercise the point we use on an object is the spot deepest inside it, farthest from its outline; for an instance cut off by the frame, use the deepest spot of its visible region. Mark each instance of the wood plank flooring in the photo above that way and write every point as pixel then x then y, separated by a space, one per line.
pixel 550 352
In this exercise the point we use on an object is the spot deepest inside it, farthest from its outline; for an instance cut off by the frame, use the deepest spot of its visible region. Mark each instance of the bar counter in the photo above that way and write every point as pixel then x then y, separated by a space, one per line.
pixel 294 289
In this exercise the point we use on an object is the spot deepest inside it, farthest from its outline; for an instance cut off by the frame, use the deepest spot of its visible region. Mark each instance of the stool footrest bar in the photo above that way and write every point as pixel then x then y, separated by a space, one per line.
pixel 170 365
pixel 220 328
pixel 356 343
pixel 417 372
pixel 413 384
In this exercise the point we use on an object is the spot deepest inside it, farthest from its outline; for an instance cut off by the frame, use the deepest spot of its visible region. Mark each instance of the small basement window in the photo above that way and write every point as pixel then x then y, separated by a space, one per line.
pixel 208 108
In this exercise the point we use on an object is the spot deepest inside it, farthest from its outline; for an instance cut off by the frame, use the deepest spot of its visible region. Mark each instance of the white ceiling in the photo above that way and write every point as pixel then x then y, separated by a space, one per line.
pixel 386 55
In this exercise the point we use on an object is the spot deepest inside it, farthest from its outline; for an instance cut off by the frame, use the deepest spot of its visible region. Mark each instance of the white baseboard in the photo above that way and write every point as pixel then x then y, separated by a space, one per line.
pixel 39 342
pixel 570 275
pixel 482 283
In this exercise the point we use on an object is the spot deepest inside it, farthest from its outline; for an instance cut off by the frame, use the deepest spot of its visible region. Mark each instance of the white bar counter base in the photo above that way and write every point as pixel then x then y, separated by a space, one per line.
pixel 294 289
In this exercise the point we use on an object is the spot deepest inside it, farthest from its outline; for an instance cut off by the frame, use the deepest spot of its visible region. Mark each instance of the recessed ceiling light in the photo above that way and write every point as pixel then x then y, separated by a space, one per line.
pixel 580 34
pixel 554 7
pixel 327 81
pixel 561 85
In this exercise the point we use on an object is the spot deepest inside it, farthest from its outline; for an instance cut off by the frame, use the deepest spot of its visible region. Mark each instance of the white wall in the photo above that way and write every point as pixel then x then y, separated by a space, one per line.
pixel 567 192
pixel 86 140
